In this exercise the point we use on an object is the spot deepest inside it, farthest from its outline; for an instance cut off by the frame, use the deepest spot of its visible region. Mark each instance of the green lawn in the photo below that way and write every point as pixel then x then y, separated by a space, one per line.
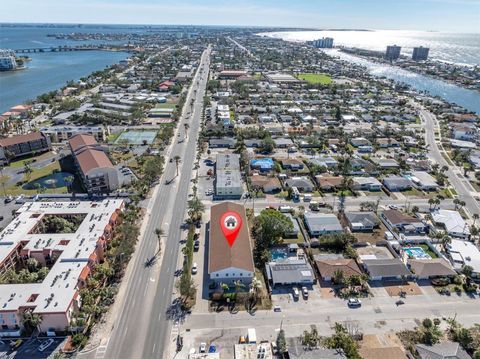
pixel 315 79
pixel 427 250
pixel 36 174
pixel 21 163
pixel 165 105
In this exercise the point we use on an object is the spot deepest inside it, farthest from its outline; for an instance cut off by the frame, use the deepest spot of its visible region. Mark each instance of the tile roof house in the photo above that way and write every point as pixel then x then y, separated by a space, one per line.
pixel 361 221
pixel 229 264
pixel 328 267
pixel 404 223
pixel 445 350
pixel 95 168
pixel 428 268
pixel 268 184
pixel 329 183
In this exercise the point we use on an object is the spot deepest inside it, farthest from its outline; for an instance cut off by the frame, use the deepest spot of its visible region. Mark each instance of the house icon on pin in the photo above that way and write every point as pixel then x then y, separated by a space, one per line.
pixel 231 222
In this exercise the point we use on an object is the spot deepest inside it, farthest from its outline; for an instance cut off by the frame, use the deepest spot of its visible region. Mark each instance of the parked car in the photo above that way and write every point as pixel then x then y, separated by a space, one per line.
pixel 242 340
pixel 196 246
pixel 392 206
pixel 296 293
pixel 203 347
pixel 277 308
pixel 8 199
pixel 45 344
pixel 194 268
pixel 20 199
pixel 305 292
pixel 354 303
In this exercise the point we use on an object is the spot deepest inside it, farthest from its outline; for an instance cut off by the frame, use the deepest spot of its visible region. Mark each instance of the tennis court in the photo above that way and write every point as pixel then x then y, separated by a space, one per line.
pixel 137 137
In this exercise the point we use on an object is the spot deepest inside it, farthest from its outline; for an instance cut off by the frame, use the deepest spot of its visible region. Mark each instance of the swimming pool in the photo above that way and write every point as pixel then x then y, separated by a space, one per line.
pixel 279 254
pixel 416 253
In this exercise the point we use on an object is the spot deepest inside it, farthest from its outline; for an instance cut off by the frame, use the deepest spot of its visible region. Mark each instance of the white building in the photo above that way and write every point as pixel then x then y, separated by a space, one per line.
pixel 464 253
pixel 452 222
pixel 71 257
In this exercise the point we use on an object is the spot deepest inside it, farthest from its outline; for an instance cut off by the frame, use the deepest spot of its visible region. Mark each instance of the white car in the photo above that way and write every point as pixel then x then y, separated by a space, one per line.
pixel 203 347
pixel 392 206
pixel 305 292
pixel 45 344
pixel 194 268
pixel 354 302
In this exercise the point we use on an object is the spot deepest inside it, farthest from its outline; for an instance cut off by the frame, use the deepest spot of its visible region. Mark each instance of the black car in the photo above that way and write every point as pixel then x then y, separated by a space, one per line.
pixel 196 246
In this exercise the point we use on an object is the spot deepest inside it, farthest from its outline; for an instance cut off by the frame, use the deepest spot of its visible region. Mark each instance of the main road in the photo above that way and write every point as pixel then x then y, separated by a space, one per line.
pixel 454 174
pixel 141 326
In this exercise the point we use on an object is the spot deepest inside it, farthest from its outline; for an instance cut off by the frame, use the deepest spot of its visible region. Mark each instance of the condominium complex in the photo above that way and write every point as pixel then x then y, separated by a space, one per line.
pixel 95 168
pixel 7 60
pixel 393 52
pixel 22 145
pixel 69 253
pixel 323 43
pixel 63 133
pixel 420 53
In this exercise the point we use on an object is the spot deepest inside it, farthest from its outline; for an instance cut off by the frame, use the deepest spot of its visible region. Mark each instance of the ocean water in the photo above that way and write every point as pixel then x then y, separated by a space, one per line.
pixel 458 48
pixel 49 71
pixel 450 47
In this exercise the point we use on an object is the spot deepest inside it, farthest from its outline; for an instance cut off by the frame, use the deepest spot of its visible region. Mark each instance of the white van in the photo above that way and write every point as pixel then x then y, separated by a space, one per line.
pixel 285 209
pixel 307 197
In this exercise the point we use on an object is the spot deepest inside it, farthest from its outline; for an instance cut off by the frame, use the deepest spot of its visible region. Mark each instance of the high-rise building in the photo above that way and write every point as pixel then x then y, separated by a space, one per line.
pixel 420 53
pixel 7 60
pixel 323 43
pixel 393 52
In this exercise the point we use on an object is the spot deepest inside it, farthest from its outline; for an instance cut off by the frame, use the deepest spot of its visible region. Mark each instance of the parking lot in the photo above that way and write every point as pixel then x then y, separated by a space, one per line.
pixel 29 348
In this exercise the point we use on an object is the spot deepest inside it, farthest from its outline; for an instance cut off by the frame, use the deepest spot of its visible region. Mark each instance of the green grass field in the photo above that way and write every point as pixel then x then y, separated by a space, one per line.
pixel 315 79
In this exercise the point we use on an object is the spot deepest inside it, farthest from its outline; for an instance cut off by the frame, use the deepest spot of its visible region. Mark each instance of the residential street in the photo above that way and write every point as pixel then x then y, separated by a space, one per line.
pixel 141 328
pixel 455 176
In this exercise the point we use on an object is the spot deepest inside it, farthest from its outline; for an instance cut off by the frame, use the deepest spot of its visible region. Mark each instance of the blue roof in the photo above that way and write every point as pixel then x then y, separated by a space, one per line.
pixel 264 163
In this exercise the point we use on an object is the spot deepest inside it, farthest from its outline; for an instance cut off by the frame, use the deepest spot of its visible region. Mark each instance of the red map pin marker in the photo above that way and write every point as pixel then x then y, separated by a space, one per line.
pixel 230 222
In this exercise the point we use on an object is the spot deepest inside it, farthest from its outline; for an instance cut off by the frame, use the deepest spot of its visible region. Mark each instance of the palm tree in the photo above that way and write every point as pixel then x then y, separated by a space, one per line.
pixel 68 182
pixel 195 209
pixel 27 171
pixel 159 233
pixel 31 320
pixel 475 217
pixel 177 160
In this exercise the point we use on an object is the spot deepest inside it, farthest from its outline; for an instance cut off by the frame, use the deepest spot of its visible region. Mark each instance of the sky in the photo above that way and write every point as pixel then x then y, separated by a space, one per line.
pixel 436 15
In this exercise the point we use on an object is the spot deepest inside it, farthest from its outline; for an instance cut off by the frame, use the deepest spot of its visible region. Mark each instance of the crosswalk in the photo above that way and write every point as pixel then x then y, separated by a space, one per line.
pixel 101 350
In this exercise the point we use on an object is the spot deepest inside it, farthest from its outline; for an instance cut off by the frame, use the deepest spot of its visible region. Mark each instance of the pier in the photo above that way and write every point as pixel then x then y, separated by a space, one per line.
pixel 70 48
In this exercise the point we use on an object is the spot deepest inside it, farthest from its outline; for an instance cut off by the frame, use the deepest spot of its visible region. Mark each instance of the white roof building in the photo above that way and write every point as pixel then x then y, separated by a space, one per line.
pixel 70 254
pixel 452 222
pixel 464 253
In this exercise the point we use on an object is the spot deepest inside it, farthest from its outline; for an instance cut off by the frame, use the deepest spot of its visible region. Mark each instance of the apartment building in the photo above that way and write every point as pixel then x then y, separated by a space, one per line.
pixel 59 134
pixel 23 145
pixel 70 257
pixel 95 168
